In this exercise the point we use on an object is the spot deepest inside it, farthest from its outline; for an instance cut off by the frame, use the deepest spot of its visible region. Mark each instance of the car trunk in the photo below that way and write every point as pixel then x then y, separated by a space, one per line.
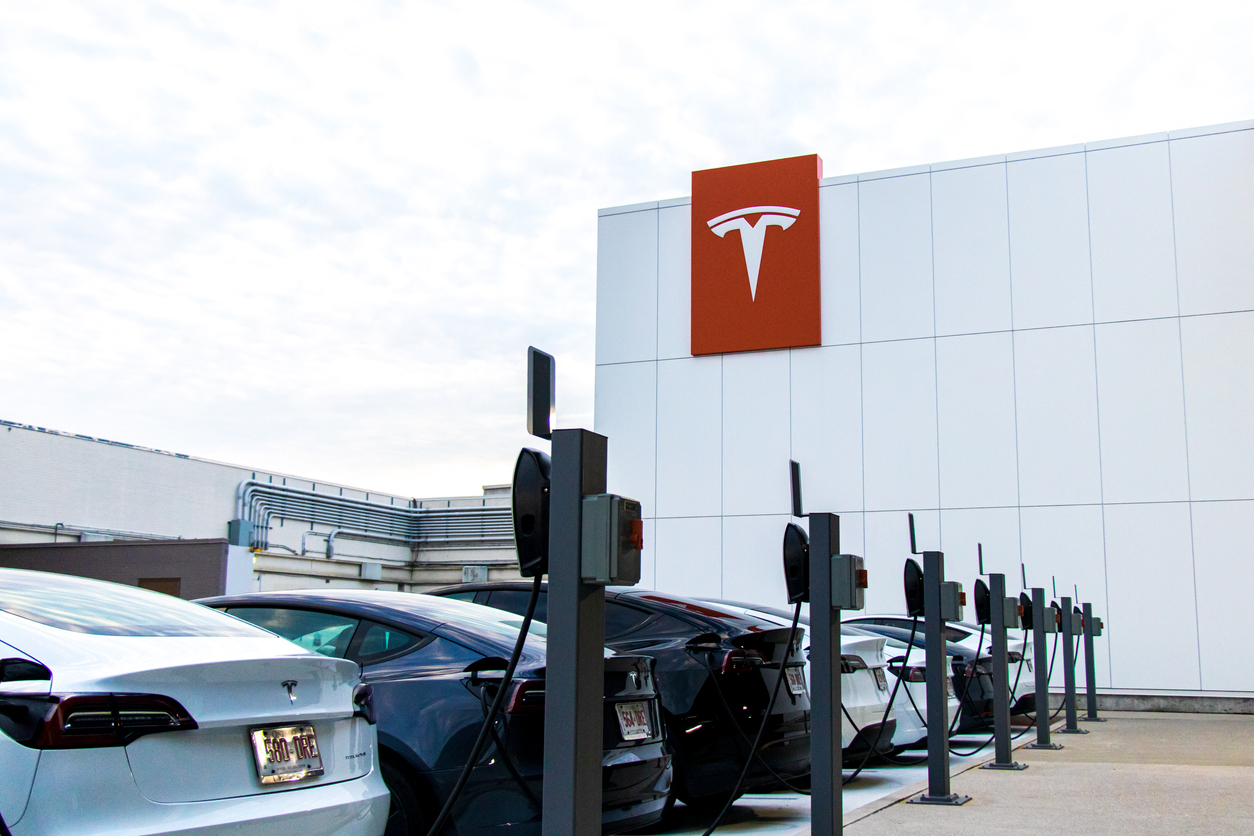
pixel 228 699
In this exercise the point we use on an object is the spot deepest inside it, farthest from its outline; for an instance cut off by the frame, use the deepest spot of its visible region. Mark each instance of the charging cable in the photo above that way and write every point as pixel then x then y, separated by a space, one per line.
pixel 488 729
pixel 757 740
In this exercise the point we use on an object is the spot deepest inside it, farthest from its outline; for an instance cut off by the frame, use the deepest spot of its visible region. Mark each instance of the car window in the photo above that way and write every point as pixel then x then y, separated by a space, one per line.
pixel 468 595
pixel 380 641
pixel 84 605
pixel 621 619
pixel 321 632
pixel 436 656
pixel 515 601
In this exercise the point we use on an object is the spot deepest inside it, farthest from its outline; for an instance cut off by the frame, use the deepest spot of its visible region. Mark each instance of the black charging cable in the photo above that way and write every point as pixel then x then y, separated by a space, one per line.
pixel 740 733
pixel 914 626
pixel 766 717
pixel 488 729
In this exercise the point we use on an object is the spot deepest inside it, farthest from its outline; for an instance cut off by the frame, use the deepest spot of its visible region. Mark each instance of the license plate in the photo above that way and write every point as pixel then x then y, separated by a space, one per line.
pixel 881 681
pixel 288 753
pixel 796 681
pixel 633 720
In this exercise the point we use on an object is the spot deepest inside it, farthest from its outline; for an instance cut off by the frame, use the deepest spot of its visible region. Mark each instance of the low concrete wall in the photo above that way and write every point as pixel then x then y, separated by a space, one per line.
pixel 1173 703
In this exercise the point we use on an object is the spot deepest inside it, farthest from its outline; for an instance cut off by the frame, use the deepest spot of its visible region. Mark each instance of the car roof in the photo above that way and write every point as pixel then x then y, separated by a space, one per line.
pixel 689 609
pixel 459 620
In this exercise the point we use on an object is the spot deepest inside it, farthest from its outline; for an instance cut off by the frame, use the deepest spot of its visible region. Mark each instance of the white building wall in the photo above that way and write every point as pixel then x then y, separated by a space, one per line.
pixel 1045 352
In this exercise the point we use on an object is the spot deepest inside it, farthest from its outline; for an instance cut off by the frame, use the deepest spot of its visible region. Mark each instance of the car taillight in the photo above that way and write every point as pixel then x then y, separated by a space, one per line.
pixel 527 697
pixel 1014 657
pixel 912 673
pixel 742 661
pixel 849 664
pixel 91 721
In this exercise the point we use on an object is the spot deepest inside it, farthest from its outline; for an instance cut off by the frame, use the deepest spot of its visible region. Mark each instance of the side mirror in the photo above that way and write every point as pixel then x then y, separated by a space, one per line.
pixel 797 563
pixel 530 506
pixel 983 603
pixel 913 582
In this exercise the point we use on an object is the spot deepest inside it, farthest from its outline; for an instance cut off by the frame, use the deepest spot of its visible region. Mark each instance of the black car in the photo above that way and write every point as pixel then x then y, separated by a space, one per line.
pixel 715 672
pixel 434 666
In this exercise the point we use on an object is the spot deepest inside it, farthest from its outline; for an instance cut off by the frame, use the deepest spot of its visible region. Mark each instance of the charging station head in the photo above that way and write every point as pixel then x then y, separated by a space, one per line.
pixel 530 505
pixel 1025 610
pixel 797 563
pixel 983 603
pixel 913 581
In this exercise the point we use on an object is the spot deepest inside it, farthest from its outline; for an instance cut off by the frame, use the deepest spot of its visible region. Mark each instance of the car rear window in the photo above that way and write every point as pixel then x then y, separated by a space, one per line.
pixel 325 633
pixel 84 605
pixel 516 600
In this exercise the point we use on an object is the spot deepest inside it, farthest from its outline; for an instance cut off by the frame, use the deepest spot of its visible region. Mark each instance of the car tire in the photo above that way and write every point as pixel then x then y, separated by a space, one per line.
pixel 406 815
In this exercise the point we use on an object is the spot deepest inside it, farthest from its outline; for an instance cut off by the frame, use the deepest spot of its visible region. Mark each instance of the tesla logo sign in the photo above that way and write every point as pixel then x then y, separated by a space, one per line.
pixel 755 256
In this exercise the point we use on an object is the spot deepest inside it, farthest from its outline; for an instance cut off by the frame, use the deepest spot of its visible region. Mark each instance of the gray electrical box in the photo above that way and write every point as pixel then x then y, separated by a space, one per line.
pixel 848 582
pixel 613 535
pixel 1011 613
pixel 1051 620
pixel 1098 624
pixel 1077 624
pixel 951 598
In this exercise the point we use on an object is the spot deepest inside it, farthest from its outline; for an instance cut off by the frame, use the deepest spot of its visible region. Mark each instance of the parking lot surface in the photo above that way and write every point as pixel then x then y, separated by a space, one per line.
pixel 789 813
pixel 1139 773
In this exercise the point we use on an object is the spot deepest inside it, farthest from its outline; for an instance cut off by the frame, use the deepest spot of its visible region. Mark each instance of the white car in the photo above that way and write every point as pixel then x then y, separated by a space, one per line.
pixel 910 707
pixel 1018 651
pixel 864 690
pixel 124 711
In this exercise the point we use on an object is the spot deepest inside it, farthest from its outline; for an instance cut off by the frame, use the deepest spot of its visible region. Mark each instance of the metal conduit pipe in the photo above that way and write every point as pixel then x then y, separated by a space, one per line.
pixel 258 502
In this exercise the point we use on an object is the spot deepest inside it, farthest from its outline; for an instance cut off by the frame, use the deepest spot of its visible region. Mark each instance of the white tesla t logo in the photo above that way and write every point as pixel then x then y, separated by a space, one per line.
pixel 753 236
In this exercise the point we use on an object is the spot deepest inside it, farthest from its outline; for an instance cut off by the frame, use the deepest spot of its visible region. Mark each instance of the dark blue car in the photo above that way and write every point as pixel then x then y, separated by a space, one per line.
pixel 434 665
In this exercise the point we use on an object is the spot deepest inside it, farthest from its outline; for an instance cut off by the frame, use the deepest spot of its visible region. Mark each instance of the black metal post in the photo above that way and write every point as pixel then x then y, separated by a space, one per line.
pixel 937 667
pixel 826 800
pixel 1068 661
pixel 1090 668
pixel 1001 678
pixel 1040 652
pixel 574 686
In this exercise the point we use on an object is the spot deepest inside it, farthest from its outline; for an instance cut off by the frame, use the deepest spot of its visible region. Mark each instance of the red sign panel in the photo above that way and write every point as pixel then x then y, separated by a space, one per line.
pixel 755 256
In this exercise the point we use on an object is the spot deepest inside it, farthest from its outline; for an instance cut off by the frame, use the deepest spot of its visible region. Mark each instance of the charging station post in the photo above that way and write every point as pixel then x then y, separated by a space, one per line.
pixel 826 800
pixel 1004 612
pixel 1091 629
pixel 1069 625
pixel 574 678
pixel 942 601
pixel 1043 621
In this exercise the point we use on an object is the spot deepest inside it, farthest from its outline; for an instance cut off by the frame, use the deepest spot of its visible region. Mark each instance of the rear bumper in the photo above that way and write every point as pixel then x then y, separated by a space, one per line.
pixel 877 735
pixel 1024 705
pixel 99 796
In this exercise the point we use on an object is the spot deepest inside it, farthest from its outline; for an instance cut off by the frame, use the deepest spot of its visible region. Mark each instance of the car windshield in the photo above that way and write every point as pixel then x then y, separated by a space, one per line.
pixel 84 605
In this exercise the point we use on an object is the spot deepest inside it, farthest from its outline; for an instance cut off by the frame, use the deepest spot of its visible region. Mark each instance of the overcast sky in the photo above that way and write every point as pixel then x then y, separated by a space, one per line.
pixel 318 237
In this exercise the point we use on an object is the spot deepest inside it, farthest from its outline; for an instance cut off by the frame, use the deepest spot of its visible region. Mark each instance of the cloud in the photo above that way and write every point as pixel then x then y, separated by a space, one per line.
pixel 318 237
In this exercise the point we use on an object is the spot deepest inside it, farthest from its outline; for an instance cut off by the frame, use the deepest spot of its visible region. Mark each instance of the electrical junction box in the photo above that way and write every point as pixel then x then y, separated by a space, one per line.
pixel 951 599
pixel 1051 620
pixel 849 582
pixel 613 535
pixel 1098 624
pixel 1077 624
pixel 1010 610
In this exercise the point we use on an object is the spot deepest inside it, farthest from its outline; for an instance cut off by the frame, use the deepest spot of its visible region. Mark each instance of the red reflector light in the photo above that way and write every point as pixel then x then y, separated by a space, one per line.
pixel 527 697
pixel 95 720
pixel 861 579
